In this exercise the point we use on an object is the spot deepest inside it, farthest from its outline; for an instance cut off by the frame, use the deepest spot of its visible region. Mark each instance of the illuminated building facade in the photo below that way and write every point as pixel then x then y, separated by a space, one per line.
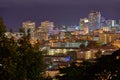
pixel 111 23
pixel 44 30
pixel 116 43
pixel 86 30
pixel 29 28
pixel 106 29
pixel 108 37
pixel 84 26
pixel 40 34
pixel 84 23
pixel 63 50
pixel 94 20
pixel 16 35
pixel 89 55
pixel 47 26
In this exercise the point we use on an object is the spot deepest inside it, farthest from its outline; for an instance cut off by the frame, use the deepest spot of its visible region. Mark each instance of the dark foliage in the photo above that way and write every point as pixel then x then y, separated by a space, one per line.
pixel 106 68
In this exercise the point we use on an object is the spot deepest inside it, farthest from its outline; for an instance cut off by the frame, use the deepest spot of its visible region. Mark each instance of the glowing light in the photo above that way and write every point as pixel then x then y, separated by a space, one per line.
pixel 86 21
pixel 68 58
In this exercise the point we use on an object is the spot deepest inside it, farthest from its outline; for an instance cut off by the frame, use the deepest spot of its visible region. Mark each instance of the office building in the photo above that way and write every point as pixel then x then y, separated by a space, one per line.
pixel 94 20
pixel 47 26
pixel 29 28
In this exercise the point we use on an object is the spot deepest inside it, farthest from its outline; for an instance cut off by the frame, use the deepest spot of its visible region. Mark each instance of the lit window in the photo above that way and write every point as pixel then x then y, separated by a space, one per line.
pixel 117 57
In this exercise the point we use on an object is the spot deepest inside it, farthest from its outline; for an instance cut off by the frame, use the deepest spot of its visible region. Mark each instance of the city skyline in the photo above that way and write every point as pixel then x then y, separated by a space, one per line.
pixel 61 12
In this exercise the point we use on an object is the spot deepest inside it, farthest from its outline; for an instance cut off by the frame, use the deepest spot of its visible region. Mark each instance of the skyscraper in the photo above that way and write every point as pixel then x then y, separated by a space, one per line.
pixel 47 26
pixel 84 22
pixel 29 28
pixel 94 20
pixel 44 30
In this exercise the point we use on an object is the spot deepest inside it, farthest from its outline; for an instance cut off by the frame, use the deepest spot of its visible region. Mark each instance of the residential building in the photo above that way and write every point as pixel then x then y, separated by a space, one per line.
pixel 108 37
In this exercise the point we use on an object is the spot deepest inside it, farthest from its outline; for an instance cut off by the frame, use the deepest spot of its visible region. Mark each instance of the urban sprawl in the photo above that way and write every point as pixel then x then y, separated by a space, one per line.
pixel 93 34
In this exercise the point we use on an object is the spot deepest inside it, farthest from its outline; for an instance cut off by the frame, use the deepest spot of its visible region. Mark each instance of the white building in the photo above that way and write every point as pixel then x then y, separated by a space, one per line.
pixel 29 28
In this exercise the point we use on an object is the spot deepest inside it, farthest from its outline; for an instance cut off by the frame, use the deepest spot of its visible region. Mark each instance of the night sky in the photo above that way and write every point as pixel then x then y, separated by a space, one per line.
pixel 67 12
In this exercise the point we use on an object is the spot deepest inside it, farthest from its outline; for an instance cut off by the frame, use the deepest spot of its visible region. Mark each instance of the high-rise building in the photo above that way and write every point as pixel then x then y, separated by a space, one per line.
pixel 45 29
pixel 40 34
pixel 103 21
pixel 94 20
pixel 111 23
pixel 84 26
pixel 29 28
pixel 84 22
pixel 47 26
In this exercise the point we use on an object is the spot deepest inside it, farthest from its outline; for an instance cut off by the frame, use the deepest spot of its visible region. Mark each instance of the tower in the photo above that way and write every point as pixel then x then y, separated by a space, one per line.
pixel 99 20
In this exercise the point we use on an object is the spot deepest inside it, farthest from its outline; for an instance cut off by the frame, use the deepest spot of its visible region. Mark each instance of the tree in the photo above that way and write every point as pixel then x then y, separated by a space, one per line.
pixel 93 44
pixel 8 58
pixel 20 60
pixel 74 72
pixel 3 40
pixel 98 54
pixel 72 55
pixel 3 50
pixel 2 27
pixel 82 46
pixel 30 59
pixel 105 68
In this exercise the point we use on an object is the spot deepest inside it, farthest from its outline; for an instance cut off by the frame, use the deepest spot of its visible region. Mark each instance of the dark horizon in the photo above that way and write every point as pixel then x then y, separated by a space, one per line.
pixel 61 12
